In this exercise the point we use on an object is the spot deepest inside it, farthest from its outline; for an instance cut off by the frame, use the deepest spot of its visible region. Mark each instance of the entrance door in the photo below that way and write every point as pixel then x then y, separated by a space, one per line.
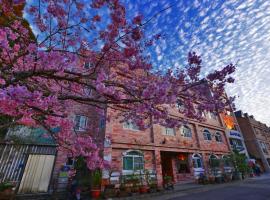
pixel 166 164
pixel 37 174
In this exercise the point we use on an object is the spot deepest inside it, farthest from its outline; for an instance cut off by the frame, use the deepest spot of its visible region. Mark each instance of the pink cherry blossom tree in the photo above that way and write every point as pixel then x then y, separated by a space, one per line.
pixel 71 47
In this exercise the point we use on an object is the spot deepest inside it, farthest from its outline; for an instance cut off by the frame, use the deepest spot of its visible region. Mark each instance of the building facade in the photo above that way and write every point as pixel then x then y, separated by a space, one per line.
pixel 234 133
pixel 180 153
pixel 257 139
pixel 23 163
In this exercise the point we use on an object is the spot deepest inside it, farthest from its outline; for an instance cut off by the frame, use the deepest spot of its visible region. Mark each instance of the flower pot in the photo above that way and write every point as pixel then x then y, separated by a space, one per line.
pixel 218 179
pixel 168 186
pixel 211 179
pixel 7 192
pixel 143 189
pixel 95 193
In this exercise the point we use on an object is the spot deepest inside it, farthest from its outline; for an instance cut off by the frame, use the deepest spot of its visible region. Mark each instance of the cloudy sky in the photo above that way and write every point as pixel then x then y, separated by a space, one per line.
pixel 222 32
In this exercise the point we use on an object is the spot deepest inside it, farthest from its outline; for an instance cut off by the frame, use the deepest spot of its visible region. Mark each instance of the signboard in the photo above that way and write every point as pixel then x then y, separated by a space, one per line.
pixel 228 120
pixel 235 134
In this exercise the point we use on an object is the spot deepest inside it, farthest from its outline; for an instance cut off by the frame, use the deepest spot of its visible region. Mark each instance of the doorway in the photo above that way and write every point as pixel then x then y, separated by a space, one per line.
pixel 166 164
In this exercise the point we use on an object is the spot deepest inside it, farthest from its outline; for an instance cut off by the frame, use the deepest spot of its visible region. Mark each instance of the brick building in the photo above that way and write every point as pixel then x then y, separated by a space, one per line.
pixel 234 133
pixel 23 164
pixel 180 153
pixel 257 138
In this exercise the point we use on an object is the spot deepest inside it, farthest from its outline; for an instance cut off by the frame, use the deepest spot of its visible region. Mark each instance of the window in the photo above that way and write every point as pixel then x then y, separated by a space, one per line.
pixel 180 106
pixel 228 113
pixel 80 123
pixel 226 161
pixel 87 65
pixel 70 162
pixel 264 148
pixel 133 160
pixel 87 91
pixel 212 115
pixel 214 161
pixel 207 135
pixel 203 114
pixel 169 131
pixel 236 144
pixel 197 161
pixel 186 131
pixel 130 125
pixel 218 137
pixel 102 122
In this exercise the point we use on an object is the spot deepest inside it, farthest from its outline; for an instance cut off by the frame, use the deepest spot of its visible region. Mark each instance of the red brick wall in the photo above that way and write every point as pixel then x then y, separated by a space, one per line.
pixel 212 145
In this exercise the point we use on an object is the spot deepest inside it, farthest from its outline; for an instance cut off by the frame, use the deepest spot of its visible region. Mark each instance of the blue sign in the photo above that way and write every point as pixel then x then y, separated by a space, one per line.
pixel 235 133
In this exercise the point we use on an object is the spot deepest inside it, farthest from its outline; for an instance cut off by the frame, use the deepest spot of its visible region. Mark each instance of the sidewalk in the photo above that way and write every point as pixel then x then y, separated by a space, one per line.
pixel 186 188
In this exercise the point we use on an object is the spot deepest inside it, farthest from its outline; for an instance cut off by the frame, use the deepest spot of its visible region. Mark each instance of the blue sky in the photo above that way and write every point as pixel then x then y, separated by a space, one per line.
pixel 222 32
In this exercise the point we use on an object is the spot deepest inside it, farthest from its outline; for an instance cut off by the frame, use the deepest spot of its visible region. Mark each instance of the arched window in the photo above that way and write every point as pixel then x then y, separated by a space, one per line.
pixel 186 131
pixel 226 161
pixel 180 105
pixel 218 137
pixel 214 161
pixel 213 156
pixel 197 161
pixel 133 160
pixel 207 135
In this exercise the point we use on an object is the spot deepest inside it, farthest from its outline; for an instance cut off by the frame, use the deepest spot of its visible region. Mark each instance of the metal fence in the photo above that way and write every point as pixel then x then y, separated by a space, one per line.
pixel 13 158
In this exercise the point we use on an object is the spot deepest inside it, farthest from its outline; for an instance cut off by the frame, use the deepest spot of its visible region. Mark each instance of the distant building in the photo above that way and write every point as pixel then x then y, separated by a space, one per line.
pixel 257 138
pixel 234 133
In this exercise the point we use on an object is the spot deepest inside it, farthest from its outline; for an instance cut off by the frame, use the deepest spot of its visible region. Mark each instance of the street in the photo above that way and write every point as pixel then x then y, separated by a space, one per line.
pixel 254 189
pixel 251 190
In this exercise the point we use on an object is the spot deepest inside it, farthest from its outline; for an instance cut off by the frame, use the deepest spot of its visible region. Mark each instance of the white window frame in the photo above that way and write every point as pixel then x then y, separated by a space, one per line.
pixel 167 132
pixel 129 125
pixel 223 158
pixel 234 143
pixel 82 124
pixel 180 106
pixel 196 157
pixel 212 115
pixel 264 147
pixel 87 91
pixel 213 157
pixel 208 132
pixel 73 162
pixel 203 114
pixel 219 135
pixel 184 133
pixel 139 155
pixel 87 65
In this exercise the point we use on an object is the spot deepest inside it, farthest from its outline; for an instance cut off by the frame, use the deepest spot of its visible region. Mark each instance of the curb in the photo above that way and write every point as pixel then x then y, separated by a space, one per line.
pixel 197 188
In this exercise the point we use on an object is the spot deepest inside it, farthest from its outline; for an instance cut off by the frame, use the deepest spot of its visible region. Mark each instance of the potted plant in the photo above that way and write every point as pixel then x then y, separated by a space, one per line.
pixel 144 179
pixel 228 177
pixel 215 175
pixel 96 184
pixel 6 189
pixel 168 183
pixel 240 165
pixel 201 179
pixel 135 184
pixel 211 178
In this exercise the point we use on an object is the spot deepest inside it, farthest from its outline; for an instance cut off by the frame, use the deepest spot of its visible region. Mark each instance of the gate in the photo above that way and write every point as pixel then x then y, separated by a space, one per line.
pixel 28 166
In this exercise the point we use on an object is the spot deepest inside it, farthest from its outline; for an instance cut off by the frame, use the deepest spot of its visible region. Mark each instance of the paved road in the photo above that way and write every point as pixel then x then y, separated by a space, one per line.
pixel 258 189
